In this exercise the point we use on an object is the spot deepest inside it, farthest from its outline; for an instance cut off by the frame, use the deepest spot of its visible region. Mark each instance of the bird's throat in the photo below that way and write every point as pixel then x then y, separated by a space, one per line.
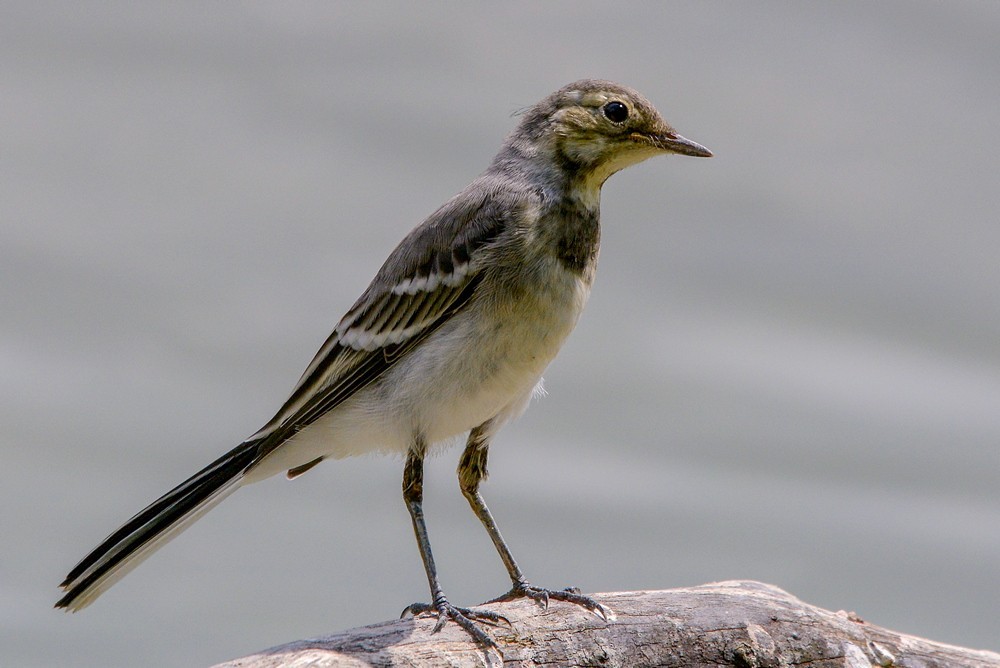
pixel 576 232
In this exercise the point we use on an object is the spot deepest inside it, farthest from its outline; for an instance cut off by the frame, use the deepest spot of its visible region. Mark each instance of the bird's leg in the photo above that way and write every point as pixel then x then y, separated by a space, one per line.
pixel 472 471
pixel 413 495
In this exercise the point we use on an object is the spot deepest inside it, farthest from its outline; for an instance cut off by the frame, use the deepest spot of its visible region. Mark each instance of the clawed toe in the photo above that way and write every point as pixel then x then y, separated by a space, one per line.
pixel 467 618
pixel 570 595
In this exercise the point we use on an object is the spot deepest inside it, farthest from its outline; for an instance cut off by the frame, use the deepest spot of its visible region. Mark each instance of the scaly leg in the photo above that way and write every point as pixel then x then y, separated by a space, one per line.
pixel 413 494
pixel 472 471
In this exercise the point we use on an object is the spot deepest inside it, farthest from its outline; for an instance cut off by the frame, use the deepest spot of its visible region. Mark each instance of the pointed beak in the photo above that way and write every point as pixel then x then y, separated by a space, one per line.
pixel 674 143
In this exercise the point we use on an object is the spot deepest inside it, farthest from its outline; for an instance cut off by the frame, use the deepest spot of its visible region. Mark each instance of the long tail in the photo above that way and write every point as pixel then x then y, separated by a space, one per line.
pixel 154 526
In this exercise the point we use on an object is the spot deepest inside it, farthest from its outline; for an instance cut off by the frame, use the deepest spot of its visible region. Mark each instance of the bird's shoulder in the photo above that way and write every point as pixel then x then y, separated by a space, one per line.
pixel 449 242
pixel 448 249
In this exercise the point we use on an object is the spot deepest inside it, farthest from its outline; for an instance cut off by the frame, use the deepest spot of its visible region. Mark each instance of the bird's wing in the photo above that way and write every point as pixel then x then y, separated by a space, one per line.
pixel 432 274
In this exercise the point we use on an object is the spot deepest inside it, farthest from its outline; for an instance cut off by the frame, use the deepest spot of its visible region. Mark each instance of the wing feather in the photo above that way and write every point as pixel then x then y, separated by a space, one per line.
pixel 430 276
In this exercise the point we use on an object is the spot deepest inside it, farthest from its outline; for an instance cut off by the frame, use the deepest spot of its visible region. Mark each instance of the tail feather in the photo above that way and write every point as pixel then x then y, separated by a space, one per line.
pixel 154 526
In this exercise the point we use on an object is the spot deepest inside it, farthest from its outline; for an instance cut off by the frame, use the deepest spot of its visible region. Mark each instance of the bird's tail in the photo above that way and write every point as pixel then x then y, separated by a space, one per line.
pixel 154 526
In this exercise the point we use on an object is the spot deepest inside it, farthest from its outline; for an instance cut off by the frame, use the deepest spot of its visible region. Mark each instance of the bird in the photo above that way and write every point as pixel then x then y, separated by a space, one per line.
pixel 450 338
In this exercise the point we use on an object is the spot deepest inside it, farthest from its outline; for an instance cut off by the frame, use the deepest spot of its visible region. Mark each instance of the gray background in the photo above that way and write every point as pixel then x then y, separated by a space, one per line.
pixel 789 369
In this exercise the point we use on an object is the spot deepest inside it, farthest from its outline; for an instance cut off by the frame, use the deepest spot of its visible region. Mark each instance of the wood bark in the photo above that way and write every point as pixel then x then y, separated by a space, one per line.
pixel 740 624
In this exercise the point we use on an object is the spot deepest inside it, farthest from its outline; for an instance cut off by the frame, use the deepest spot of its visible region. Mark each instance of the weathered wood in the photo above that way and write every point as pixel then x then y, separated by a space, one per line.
pixel 741 624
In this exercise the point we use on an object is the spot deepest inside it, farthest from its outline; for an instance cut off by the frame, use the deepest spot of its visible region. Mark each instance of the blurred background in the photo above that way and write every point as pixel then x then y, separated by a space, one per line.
pixel 789 369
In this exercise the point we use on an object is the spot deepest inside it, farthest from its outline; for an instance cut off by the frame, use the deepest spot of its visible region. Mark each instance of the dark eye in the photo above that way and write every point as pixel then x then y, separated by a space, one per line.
pixel 616 112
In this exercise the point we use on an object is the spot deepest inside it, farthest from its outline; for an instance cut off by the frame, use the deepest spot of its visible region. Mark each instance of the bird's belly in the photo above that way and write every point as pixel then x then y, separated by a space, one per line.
pixel 471 371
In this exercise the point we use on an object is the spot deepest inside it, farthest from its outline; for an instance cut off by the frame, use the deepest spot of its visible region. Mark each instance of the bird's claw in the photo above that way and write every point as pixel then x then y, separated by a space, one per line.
pixel 464 617
pixel 570 595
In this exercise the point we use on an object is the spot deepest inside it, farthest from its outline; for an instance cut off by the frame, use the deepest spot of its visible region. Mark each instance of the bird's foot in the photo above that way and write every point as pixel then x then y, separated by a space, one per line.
pixel 570 595
pixel 467 618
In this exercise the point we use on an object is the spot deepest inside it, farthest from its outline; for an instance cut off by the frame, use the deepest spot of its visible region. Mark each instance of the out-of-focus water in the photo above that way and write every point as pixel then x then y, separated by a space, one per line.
pixel 789 369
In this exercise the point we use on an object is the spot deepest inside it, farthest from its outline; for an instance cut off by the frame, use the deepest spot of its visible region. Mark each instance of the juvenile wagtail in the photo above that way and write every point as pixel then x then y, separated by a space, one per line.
pixel 452 336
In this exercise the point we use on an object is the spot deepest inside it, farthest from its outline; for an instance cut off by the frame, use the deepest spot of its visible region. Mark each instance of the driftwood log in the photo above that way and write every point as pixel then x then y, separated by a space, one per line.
pixel 741 624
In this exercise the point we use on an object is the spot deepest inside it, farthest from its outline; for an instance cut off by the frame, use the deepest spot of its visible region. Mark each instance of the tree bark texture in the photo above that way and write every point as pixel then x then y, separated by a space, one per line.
pixel 740 624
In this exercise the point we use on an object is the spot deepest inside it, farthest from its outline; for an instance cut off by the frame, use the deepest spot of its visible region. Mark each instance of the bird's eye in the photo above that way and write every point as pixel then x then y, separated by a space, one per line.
pixel 616 111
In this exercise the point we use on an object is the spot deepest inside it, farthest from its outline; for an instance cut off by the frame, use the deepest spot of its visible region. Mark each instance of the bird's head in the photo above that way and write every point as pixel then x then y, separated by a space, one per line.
pixel 596 128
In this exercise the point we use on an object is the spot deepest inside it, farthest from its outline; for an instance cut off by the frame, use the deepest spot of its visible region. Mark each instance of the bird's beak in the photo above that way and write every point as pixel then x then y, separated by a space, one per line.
pixel 674 143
